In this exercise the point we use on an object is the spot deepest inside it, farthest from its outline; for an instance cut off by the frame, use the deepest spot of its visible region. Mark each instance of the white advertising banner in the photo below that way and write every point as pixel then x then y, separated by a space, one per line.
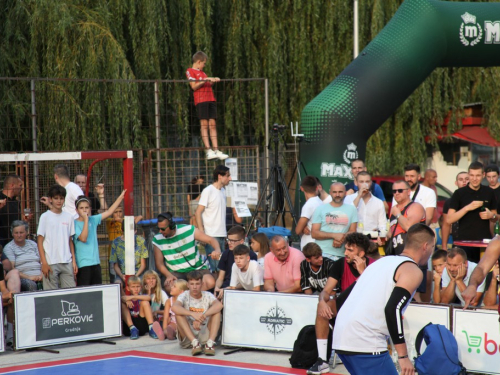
pixel 417 316
pixel 478 337
pixel 60 316
pixel 266 320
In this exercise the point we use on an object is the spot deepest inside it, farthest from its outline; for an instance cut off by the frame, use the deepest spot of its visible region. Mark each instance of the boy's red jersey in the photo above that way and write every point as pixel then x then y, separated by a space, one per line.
pixel 204 93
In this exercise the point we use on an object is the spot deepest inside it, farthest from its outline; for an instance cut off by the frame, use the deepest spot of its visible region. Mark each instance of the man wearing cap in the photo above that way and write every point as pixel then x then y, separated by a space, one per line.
pixel 176 253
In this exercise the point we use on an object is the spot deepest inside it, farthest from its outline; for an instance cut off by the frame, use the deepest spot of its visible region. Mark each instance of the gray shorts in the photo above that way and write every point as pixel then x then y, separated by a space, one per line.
pixel 61 277
pixel 202 335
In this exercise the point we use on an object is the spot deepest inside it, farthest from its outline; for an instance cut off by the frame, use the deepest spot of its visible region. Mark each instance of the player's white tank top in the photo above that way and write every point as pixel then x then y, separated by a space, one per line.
pixel 360 325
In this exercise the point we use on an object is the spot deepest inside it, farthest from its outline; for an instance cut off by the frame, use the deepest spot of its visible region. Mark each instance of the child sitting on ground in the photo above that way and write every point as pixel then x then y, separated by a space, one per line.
pixel 438 265
pixel 260 245
pixel 137 317
pixel 169 323
pixel 151 285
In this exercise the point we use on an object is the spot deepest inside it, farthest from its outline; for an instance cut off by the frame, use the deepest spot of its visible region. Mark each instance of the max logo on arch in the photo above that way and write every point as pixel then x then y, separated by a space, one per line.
pixel 471 31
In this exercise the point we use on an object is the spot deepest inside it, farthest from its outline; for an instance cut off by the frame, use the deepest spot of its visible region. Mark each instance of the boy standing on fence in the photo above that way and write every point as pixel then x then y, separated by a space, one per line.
pixel 55 245
pixel 204 101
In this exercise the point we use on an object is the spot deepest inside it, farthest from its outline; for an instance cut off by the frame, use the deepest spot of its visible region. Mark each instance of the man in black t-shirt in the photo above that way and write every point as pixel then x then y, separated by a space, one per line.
pixel 461 180
pixel 475 208
pixel 314 270
pixel 344 273
pixel 492 171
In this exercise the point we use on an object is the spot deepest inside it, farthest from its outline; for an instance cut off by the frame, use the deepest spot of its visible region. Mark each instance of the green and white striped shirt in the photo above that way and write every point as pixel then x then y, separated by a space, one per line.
pixel 180 251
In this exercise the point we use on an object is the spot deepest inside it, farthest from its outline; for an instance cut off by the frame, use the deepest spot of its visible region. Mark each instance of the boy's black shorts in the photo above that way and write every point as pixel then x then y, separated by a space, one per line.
pixel 207 110
pixel 140 323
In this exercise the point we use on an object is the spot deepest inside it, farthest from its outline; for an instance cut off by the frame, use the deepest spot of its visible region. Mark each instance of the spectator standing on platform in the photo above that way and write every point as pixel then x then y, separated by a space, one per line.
pixel 382 293
pixel 23 255
pixel 331 223
pixel 205 103
pixel 198 317
pixel 235 237
pixel 10 207
pixel 314 270
pixel 341 276
pixel 282 267
pixel 309 187
pixel 176 253
pixel 456 277
pixel 55 245
pixel 95 202
pixel 461 180
pixel 211 211
pixel 371 210
pixel 474 207
pixel 420 193
pixel 357 166
pixel 260 245
pixel 246 273
pixel 85 240
pixel 492 171
pixel 193 197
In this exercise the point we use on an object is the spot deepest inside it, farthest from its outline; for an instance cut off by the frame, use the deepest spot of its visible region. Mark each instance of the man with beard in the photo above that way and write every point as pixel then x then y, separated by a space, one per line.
pixel 404 214
pixel 474 207
pixel 331 222
pixel 342 275
pixel 420 193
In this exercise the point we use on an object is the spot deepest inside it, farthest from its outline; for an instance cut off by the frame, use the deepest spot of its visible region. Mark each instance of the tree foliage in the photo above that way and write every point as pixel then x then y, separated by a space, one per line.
pixel 300 45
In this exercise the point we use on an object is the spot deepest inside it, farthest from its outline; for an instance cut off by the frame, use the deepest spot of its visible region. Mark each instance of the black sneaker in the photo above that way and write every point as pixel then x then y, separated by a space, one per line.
pixel 320 367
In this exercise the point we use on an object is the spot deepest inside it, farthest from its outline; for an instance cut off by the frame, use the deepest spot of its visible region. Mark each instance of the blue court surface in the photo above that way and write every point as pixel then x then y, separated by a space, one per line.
pixel 136 362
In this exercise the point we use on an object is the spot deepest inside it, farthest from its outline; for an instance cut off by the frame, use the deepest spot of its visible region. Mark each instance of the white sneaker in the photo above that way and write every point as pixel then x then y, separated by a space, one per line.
pixel 220 155
pixel 211 154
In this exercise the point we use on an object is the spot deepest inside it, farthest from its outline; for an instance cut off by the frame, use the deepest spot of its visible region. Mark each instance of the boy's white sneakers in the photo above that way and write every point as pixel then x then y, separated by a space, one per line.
pixel 221 155
pixel 211 154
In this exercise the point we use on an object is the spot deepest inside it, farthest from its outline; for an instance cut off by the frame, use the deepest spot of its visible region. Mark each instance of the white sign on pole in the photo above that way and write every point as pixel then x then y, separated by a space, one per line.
pixel 266 320
pixel 60 316
pixel 416 317
pixel 478 338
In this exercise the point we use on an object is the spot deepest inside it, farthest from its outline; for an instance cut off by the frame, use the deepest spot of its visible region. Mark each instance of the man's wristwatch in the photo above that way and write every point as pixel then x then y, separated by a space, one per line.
pixel 398 216
pixel 494 217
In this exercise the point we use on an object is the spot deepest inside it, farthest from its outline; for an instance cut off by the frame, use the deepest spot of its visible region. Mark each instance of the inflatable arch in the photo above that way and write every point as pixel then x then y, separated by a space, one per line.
pixel 422 35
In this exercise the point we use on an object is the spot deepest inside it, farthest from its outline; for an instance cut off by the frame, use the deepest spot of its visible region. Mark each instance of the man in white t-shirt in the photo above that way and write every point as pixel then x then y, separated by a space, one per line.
pixel 456 277
pixel 246 274
pixel 73 191
pixel 420 193
pixel 211 211
pixel 55 244
pixel 322 194
pixel 309 187
pixel 198 317
pixel 371 210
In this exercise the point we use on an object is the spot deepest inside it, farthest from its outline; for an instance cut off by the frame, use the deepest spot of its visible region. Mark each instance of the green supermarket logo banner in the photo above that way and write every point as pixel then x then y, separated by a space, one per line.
pixel 471 31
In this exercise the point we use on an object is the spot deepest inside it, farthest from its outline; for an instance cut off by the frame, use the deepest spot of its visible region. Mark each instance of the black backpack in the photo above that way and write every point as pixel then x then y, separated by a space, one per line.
pixel 305 350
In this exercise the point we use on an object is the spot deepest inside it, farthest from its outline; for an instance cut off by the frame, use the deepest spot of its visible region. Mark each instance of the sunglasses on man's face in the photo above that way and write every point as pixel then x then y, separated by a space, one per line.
pixel 162 229
pixel 394 191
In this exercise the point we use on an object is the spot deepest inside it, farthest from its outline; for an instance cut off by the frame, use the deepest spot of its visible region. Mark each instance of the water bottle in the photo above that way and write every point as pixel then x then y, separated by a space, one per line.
pixel 497 228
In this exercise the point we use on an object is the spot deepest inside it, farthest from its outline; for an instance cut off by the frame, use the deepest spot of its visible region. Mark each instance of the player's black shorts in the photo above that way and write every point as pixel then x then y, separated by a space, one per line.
pixel 207 110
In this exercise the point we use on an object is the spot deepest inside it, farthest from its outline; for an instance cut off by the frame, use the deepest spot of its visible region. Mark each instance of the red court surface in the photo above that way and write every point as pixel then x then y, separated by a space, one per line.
pixel 135 362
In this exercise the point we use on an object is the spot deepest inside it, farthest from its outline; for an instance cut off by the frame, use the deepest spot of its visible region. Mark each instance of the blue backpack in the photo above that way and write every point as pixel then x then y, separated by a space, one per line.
pixel 441 355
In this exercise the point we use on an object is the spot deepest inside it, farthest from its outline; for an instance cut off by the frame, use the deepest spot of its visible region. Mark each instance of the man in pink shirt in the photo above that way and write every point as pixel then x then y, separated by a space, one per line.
pixel 282 267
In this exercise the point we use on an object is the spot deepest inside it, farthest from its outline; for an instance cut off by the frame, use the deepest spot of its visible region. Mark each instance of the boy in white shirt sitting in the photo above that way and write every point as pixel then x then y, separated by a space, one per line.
pixel 246 274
